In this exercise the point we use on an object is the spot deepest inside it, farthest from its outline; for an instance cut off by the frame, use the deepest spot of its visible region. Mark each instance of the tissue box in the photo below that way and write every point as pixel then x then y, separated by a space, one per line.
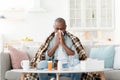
pixel 92 64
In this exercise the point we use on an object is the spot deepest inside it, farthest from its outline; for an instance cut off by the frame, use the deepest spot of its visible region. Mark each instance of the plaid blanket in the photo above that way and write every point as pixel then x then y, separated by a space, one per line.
pixel 40 55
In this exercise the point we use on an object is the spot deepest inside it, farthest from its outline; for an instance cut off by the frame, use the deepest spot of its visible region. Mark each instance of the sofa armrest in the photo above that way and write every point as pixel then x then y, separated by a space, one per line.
pixel 5 64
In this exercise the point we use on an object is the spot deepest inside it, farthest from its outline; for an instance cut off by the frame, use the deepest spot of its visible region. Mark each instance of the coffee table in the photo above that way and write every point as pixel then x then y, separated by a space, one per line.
pixel 57 72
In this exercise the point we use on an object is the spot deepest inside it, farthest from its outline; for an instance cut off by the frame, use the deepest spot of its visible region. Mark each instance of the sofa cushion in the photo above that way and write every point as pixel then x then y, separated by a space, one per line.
pixel 16 57
pixel 5 64
pixel 117 58
pixel 112 74
pixel 104 53
pixel 9 75
pixel 32 51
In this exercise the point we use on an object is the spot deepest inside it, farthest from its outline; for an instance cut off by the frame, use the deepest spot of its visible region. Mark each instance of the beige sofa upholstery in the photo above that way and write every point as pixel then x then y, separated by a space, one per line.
pixel 6 74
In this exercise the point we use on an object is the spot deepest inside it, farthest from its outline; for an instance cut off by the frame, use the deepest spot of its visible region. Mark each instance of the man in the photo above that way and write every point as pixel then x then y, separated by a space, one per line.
pixel 61 41
pixel 60 45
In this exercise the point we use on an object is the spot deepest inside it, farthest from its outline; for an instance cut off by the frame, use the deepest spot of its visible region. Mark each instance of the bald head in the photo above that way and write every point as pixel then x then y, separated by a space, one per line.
pixel 60 24
pixel 61 20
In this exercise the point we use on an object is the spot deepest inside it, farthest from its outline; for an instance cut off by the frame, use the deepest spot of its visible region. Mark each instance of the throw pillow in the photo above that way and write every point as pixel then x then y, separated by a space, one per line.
pixel 117 58
pixel 104 53
pixel 16 57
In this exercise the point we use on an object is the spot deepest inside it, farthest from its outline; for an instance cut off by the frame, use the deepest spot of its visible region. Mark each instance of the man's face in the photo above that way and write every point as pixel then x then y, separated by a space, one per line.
pixel 59 26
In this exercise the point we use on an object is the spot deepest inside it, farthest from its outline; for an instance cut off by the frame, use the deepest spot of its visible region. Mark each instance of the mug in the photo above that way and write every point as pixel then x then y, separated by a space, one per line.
pixel 25 64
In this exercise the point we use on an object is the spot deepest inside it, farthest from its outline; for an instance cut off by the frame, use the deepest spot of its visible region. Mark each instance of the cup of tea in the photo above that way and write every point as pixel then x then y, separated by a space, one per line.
pixel 50 65
pixel 25 64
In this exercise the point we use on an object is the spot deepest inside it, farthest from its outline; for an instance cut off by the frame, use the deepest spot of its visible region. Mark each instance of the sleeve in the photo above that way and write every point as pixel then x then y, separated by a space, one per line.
pixel 76 56
pixel 46 53
pixel 46 56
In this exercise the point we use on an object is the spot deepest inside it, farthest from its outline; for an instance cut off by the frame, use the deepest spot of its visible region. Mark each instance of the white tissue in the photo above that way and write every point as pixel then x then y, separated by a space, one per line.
pixel 61 32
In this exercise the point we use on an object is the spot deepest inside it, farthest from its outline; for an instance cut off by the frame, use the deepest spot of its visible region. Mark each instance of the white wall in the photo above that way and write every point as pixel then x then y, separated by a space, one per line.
pixel 36 25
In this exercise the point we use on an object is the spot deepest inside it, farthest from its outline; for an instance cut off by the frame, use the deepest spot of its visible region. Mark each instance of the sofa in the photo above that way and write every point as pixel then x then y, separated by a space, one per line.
pixel 6 74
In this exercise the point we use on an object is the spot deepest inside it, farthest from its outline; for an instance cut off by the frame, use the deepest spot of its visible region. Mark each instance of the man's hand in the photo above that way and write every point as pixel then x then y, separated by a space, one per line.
pixel 57 40
pixel 61 38
pixel 62 42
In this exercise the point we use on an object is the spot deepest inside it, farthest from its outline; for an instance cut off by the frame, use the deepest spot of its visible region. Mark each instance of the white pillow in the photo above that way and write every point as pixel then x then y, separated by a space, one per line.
pixel 117 58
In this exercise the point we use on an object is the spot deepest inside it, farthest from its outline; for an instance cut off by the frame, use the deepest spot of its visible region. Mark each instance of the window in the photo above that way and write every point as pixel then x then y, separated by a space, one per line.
pixel 91 14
